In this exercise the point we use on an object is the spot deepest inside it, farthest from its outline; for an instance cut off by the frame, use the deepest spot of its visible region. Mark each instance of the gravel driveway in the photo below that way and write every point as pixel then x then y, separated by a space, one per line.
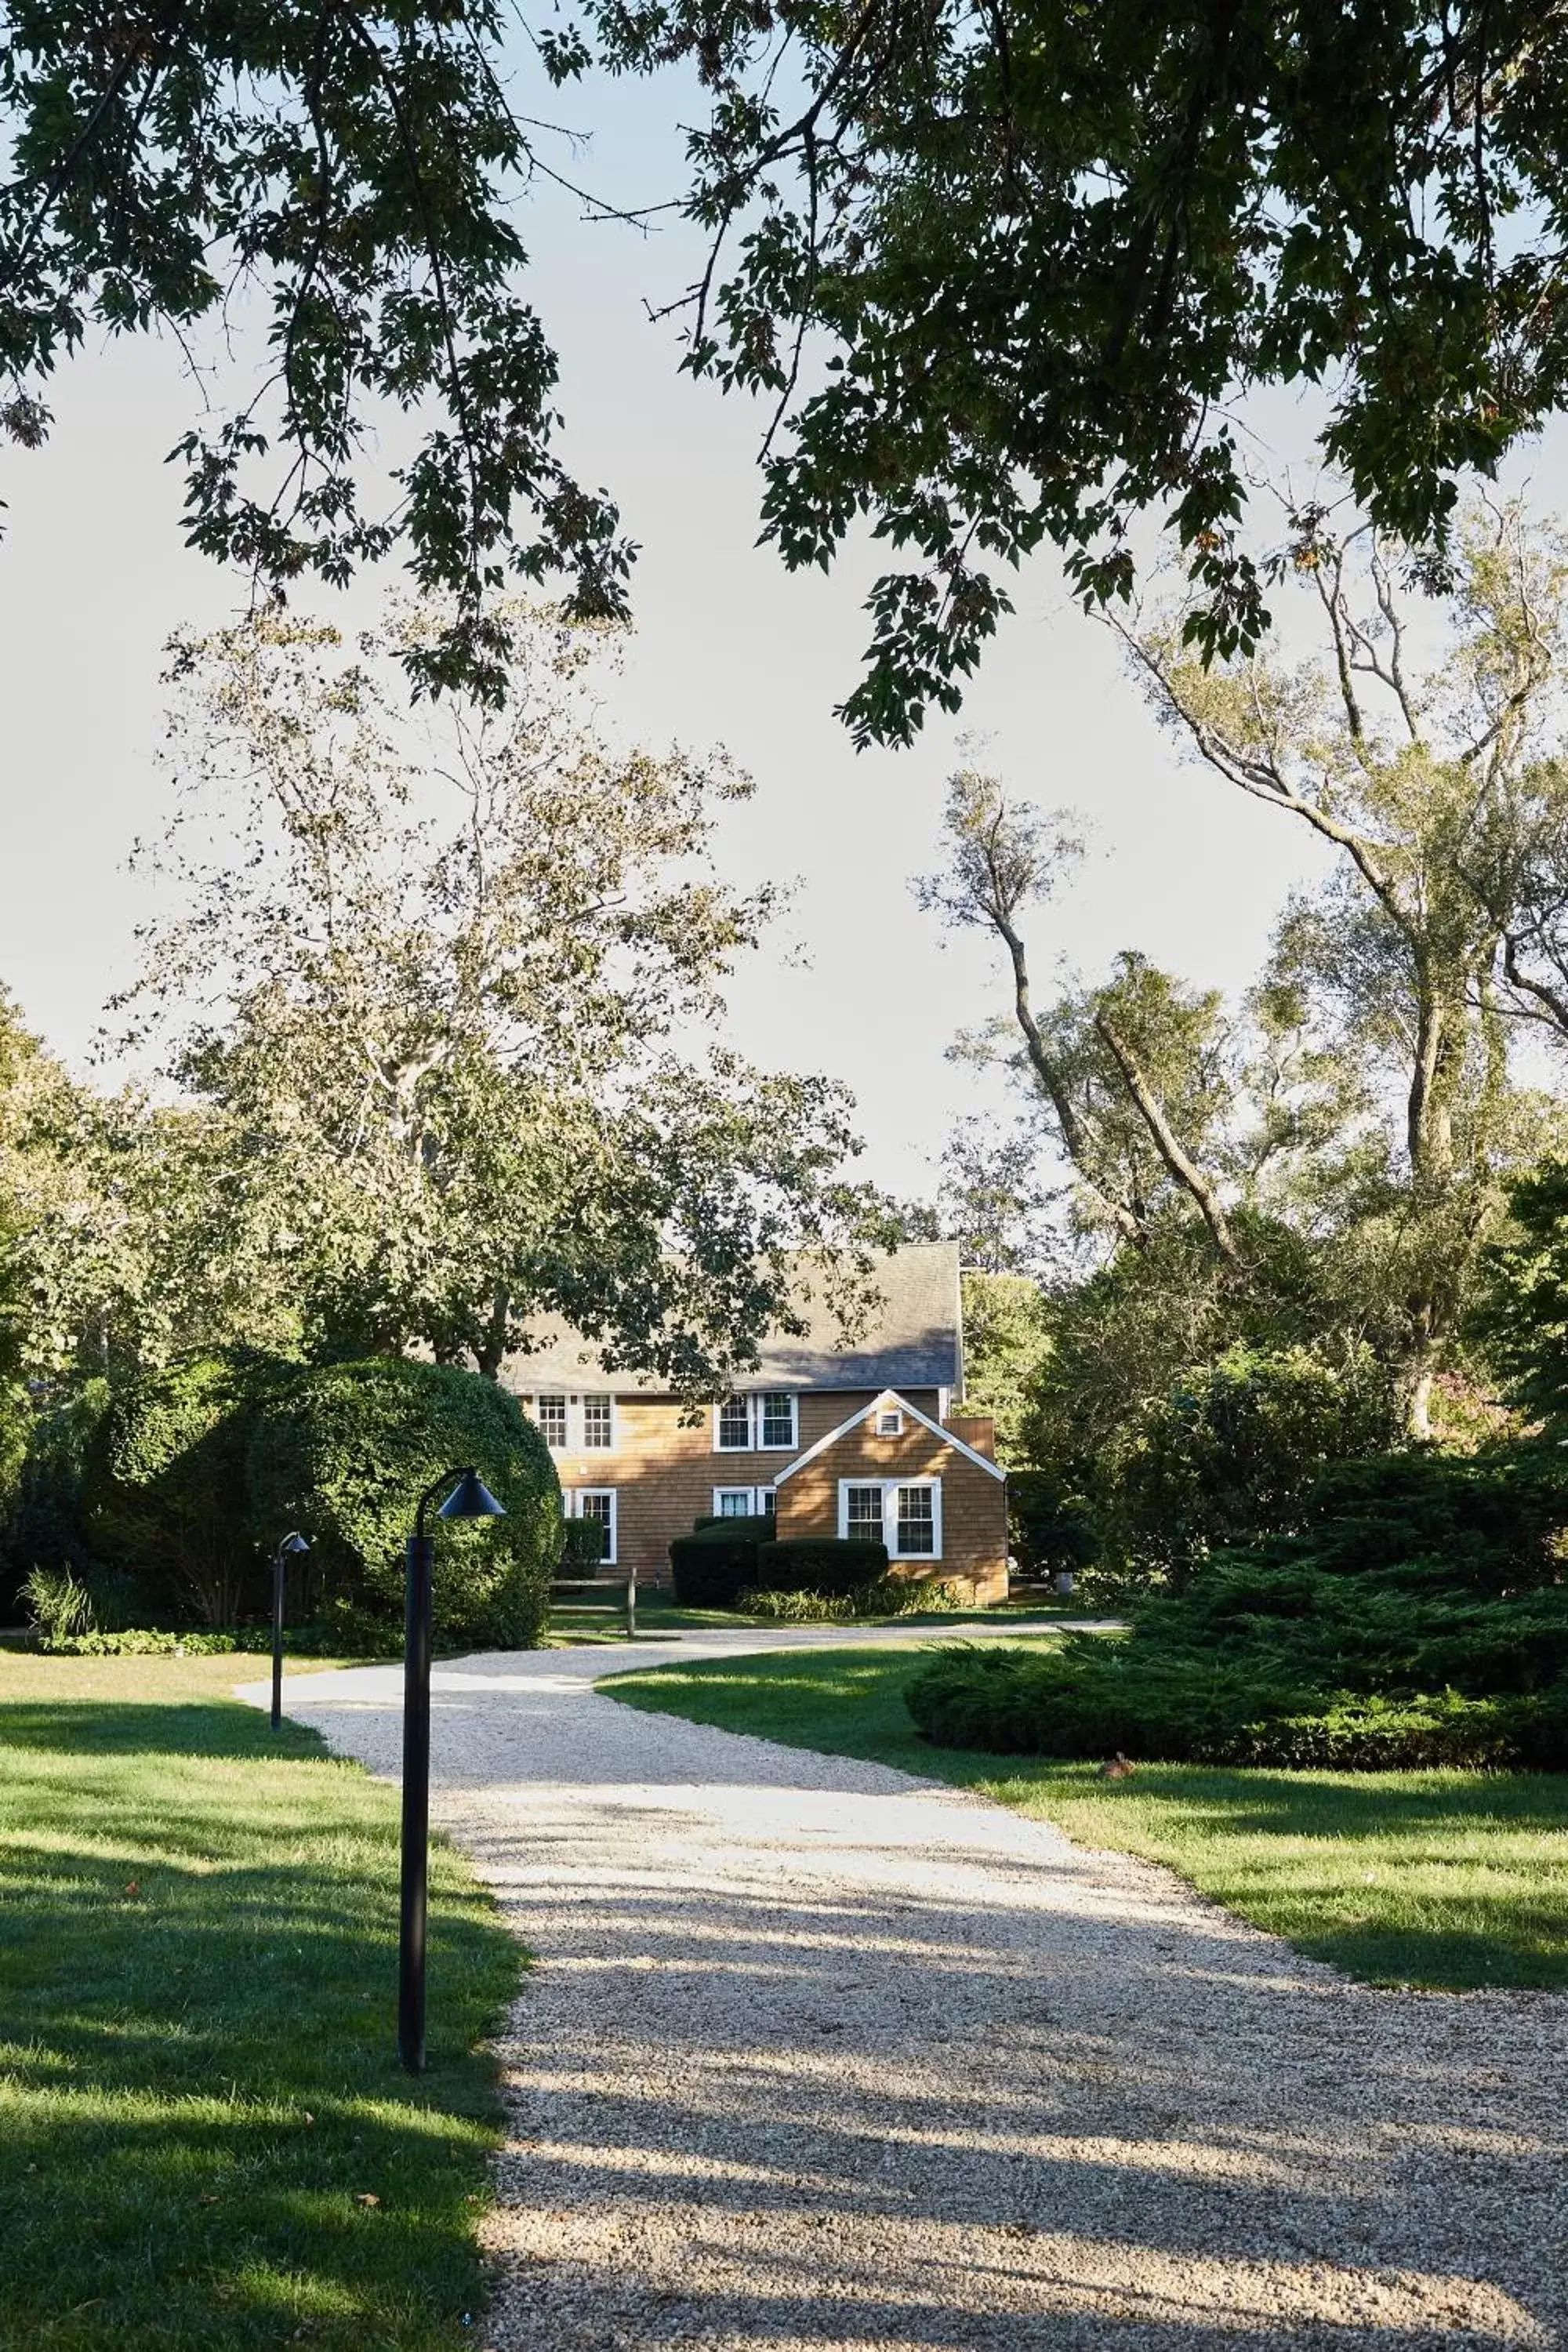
pixel 821 2055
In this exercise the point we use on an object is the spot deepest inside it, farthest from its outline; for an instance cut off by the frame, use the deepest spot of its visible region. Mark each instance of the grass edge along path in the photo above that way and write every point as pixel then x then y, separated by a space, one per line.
pixel 1446 1881
pixel 205 2142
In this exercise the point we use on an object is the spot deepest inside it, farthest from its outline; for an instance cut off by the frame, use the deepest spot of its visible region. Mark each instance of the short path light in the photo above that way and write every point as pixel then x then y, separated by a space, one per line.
pixel 280 1558
pixel 470 1498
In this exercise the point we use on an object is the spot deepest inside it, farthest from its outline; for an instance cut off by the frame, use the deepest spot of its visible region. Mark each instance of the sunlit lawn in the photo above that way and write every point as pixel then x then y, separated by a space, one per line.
pixel 1442 1879
pixel 204 2140
pixel 657 1614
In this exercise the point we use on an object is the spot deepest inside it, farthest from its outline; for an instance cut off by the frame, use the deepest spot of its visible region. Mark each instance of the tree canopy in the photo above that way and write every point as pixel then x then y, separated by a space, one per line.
pixel 1001 269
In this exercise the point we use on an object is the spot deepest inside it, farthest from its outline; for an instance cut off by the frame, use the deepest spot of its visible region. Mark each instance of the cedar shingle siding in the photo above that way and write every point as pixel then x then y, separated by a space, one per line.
pixel 663 1466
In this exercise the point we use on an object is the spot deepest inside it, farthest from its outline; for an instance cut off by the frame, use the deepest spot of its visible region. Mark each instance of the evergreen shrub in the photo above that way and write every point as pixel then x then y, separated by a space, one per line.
pixel 1419 1617
pixel 829 1565
pixel 711 1566
pixel 163 1488
pixel 343 1452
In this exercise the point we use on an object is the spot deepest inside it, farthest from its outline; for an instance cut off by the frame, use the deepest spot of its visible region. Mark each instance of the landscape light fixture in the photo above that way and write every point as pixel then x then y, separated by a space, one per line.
pixel 470 1498
pixel 280 1558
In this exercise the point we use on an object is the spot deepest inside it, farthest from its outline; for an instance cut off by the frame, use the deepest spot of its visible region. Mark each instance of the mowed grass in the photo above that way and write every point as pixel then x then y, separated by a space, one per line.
pixel 205 2142
pixel 1445 1880
pixel 574 1626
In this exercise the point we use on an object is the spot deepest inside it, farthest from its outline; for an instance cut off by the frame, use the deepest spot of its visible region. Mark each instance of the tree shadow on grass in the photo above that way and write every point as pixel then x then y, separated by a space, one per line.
pixel 205 2142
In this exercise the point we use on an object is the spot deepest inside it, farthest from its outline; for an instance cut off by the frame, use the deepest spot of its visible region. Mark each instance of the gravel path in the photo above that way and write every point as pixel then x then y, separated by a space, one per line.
pixel 819 2055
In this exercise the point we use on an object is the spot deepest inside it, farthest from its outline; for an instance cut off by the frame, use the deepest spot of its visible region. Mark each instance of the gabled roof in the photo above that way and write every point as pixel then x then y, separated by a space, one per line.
pixel 888 1396
pixel 913 1340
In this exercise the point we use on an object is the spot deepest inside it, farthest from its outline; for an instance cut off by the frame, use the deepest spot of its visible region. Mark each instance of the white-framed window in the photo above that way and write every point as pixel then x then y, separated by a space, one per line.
pixel 732 1425
pixel 597 1503
pixel 903 1513
pixel 767 1421
pixel 744 1502
pixel 574 1425
pixel 890 1423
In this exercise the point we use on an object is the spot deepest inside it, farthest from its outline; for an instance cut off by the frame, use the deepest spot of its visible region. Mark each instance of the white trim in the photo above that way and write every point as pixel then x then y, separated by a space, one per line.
pixel 753 1401
pixel 889 1421
pixel 596 1396
pixel 890 1396
pixel 573 1499
pixel 891 1488
pixel 756 1505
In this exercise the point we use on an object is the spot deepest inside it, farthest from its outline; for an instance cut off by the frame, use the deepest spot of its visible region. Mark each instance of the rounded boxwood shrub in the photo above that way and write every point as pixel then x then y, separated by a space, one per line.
pixel 717 1562
pixel 829 1566
pixel 343 1453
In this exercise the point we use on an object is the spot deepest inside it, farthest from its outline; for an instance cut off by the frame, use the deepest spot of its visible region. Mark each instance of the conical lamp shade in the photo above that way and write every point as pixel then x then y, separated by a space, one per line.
pixel 470 1498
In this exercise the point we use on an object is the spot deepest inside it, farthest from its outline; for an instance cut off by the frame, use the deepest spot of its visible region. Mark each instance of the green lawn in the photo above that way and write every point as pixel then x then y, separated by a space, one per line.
pixel 1439 1879
pixel 204 2140
pixel 574 1627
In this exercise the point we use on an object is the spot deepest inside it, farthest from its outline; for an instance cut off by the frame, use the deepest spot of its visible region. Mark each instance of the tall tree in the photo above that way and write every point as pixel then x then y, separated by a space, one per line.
pixel 1001 266
pixel 441 979
pixel 1446 800
pixel 1041 247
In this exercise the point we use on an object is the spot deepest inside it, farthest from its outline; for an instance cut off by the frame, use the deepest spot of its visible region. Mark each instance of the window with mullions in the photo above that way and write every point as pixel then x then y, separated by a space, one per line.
pixel 733 1502
pixel 735 1425
pixel 914 1523
pixel 767 1424
pixel 598 1423
pixel 550 1414
pixel 863 1514
pixel 776 1418
pixel 905 1515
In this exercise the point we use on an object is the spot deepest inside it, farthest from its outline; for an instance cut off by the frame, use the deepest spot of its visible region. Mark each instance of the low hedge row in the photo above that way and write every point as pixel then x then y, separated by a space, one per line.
pixel 722 1558
pixel 1094 1696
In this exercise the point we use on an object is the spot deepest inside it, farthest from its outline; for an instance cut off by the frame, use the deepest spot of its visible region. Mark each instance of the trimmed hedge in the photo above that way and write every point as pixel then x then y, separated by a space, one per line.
pixel 717 1562
pixel 1095 1697
pixel 829 1566
pixel 343 1453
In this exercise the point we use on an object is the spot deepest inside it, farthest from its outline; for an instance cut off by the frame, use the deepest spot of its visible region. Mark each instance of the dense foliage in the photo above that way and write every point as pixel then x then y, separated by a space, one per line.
pixel 165 1498
pixel 710 1567
pixel 830 1566
pixel 344 1452
pixel 1419 1617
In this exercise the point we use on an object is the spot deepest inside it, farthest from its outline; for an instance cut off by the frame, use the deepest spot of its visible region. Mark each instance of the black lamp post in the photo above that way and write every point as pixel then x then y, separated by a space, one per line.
pixel 470 1498
pixel 290 1545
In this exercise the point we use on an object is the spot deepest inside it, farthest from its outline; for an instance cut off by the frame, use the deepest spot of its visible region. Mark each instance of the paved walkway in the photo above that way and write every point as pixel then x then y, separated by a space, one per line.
pixel 818 2055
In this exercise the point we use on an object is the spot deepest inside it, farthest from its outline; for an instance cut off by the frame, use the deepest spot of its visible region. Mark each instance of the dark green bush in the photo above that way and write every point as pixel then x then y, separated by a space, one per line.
pixel 44 1528
pixel 1095 1698
pixel 163 1490
pixel 583 1547
pixel 828 1565
pixel 343 1453
pixel 1049 1529
pixel 1233 1452
pixel 718 1561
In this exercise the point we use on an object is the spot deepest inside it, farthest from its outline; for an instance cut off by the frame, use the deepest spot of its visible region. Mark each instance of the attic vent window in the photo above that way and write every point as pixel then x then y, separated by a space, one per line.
pixel 890 1423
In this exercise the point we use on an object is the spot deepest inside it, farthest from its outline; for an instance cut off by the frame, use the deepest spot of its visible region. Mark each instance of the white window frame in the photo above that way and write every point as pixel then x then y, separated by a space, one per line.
pixel 581 1403
pixel 575 1441
pixel 753 1399
pixel 890 1423
pixel 574 1498
pixel 891 1487
pixel 757 1500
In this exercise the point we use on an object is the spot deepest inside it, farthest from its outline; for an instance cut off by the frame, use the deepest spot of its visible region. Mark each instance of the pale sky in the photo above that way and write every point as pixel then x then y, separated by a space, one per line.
pixel 93 578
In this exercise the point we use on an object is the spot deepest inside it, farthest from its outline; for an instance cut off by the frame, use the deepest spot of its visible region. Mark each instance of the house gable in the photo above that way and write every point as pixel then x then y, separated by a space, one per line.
pixel 890 1399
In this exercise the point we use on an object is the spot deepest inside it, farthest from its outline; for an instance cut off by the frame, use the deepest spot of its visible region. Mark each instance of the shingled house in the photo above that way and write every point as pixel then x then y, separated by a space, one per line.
pixel 861 1438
